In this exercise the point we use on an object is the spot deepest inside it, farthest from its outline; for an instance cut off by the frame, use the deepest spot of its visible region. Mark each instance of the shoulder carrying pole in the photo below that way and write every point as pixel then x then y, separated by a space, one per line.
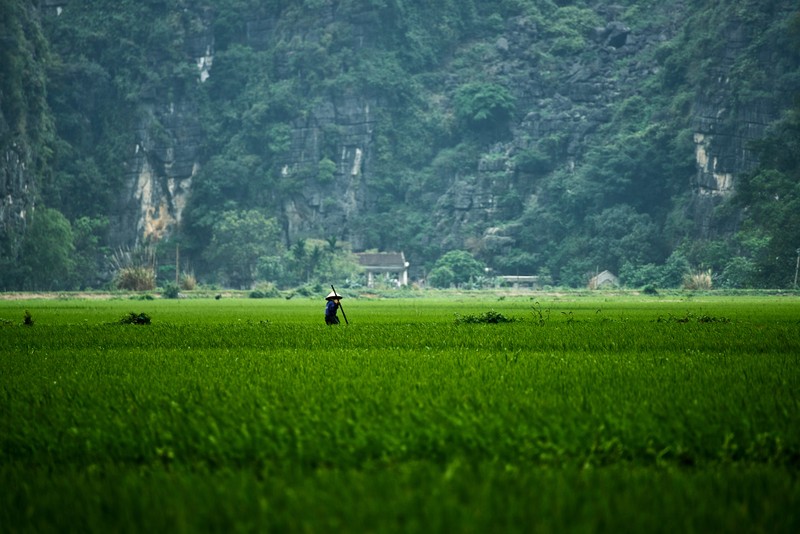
pixel 340 305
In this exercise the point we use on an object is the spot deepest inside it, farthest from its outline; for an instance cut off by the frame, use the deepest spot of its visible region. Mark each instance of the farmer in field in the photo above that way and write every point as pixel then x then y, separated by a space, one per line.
pixel 333 305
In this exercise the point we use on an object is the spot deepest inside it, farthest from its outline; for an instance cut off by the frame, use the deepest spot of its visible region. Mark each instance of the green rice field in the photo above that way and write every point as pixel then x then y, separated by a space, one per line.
pixel 582 413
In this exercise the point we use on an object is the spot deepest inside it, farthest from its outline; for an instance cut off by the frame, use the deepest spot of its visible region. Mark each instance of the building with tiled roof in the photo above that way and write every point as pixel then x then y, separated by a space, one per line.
pixel 386 263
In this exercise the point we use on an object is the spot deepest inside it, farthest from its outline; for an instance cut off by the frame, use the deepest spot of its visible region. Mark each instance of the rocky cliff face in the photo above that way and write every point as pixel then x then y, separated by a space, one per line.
pixel 161 174
pixel 24 123
pixel 566 103
pixel 726 119
pixel 575 98
pixel 345 119
pixel 571 100
pixel 323 210
pixel 17 190
pixel 167 153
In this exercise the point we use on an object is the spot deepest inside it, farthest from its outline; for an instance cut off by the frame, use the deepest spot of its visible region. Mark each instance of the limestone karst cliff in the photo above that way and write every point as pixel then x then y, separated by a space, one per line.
pixel 531 135
pixel 25 125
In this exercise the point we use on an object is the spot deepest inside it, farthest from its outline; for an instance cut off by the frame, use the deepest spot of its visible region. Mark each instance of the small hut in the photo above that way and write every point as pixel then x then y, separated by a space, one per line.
pixel 604 280
pixel 386 263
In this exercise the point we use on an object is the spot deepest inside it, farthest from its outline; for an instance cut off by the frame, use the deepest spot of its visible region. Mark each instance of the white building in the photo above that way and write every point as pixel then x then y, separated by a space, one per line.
pixel 388 264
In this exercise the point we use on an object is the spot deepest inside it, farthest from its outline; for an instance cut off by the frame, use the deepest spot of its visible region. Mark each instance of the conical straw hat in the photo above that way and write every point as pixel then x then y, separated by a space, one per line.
pixel 333 296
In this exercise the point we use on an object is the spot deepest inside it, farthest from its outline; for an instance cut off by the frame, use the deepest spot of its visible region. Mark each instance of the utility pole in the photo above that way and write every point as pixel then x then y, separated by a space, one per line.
pixel 177 264
pixel 796 268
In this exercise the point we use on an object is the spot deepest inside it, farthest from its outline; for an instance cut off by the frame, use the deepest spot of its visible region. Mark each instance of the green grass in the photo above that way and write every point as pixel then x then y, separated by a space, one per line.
pixel 583 414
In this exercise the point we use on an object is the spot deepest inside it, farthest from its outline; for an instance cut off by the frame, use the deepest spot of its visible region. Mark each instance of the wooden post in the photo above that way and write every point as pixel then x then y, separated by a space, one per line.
pixel 340 306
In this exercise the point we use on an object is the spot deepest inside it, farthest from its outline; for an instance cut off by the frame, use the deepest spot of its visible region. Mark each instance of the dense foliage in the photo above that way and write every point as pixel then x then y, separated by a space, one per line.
pixel 771 198
pixel 542 137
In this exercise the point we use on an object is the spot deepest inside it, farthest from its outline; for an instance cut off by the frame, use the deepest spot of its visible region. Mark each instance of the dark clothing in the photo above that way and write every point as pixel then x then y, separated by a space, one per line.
pixel 330 312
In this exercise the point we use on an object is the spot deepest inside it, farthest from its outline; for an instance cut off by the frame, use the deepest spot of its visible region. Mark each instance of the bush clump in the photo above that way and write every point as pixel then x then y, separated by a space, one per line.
pixel 265 291
pixel 691 318
pixel 134 269
pixel 135 318
pixel 650 289
pixel 188 281
pixel 699 281
pixel 135 279
pixel 490 317
pixel 171 291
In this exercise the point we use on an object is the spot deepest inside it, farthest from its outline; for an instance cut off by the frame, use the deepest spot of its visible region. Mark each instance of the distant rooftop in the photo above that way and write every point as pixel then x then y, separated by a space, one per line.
pixel 382 260
pixel 388 263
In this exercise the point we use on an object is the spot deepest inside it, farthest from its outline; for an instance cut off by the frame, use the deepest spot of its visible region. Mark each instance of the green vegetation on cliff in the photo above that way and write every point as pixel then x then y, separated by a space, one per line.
pixel 542 137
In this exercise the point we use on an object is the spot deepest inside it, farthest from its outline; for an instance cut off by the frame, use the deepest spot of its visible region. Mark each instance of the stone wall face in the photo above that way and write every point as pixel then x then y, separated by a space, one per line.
pixel 24 124
pixel 726 123
pixel 167 153
pixel 17 200
pixel 163 166
pixel 571 100
pixel 160 173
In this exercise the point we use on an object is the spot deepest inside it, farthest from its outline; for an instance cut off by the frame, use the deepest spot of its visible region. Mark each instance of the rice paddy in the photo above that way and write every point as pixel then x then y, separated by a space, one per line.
pixel 583 413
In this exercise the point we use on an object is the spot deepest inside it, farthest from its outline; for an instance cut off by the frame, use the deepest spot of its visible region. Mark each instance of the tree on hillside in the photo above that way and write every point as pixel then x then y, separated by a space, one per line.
pixel 456 267
pixel 770 197
pixel 46 261
pixel 481 105
pixel 240 241
pixel 314 261
pixel 90 254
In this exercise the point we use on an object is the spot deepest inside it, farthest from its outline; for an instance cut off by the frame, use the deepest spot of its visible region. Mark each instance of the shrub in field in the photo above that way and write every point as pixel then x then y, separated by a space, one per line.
pixel 188 281
pixel 135 269
pixel 650 289
pixel 691 317
pixel 135 279
pixel 265 291
pixel 698 281
pixel 490 317
pixel 441 277
pixel 170 291
pixel 310 290
pixel 711 319
pixel 135 318
pixel 455 267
